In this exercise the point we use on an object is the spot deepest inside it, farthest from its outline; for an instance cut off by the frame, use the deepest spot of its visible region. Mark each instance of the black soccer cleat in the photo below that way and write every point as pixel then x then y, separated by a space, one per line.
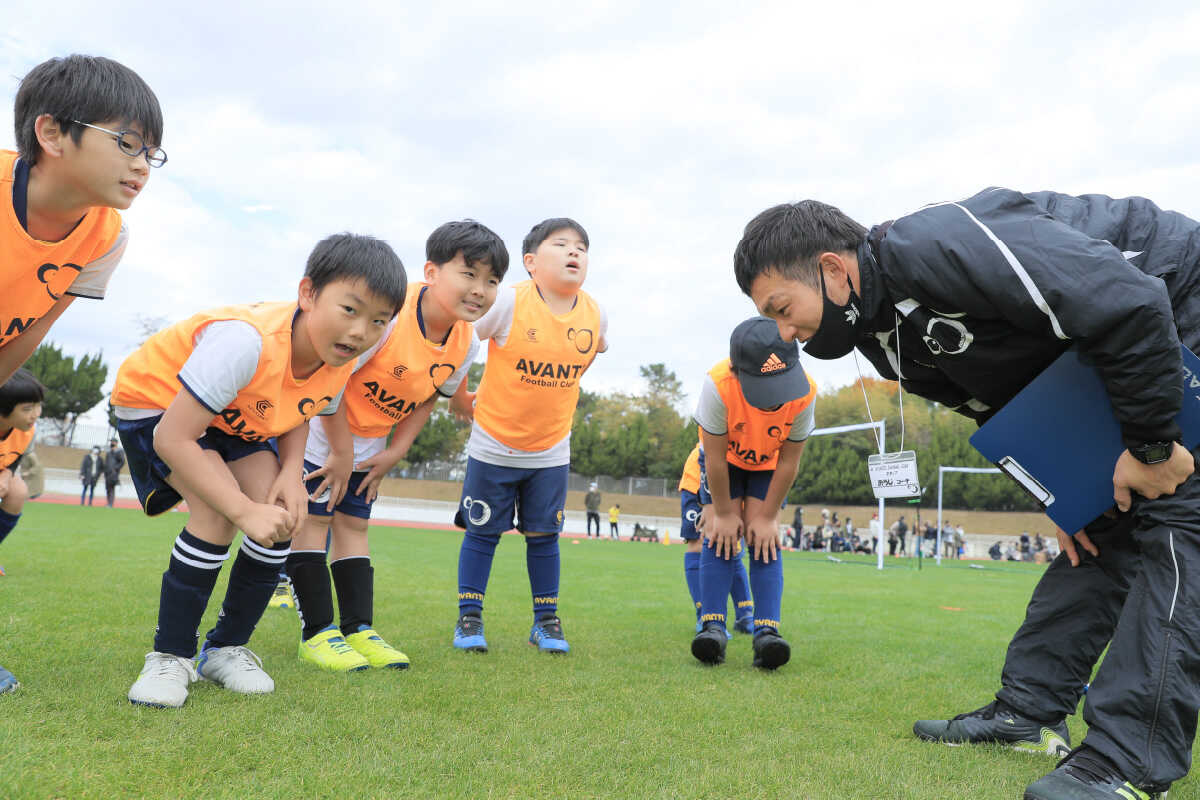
pixel 771 651
pixel 996 723
pixel 709 645
pixel 1085 774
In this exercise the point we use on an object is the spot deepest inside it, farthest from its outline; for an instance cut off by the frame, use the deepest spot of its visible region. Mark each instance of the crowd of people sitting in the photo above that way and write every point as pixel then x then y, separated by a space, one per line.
pixel 1024 549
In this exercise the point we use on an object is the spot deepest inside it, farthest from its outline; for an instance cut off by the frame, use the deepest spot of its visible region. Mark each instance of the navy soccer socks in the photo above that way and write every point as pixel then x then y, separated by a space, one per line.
pixel 691 573
pixel 716 579
pixel 544 564
pixel 354 580
pixel 186 587
pixel 7 523
pixel 766 580
pixel 474 567
pixel 314 595
pixel 743 606
pixel 252 581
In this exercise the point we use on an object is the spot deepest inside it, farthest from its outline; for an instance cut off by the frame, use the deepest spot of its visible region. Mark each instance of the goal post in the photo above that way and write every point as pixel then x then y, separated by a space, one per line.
pixel 882 436
pixel 941 471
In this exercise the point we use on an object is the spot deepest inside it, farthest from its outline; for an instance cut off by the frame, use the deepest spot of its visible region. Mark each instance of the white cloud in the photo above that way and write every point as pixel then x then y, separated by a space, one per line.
pixel 663 129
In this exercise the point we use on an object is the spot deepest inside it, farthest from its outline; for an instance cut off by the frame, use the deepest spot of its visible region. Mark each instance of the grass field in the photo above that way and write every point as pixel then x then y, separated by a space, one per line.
pixel 628 713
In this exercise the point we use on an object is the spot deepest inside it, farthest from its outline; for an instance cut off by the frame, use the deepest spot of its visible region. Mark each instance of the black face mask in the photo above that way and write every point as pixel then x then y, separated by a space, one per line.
pixel 838 331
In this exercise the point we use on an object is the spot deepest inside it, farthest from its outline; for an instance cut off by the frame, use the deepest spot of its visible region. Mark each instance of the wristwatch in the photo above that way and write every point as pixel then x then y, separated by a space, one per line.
pixel 1152 452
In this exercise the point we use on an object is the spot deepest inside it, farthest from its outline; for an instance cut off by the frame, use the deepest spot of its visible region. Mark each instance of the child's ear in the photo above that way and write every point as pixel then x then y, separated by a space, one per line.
pixel 431 272
pixel 49 135
pixel 307 295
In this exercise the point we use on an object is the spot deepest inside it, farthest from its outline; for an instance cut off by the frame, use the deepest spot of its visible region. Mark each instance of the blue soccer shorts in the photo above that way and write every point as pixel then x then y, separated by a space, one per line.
pixel 742 482
pixel 149 472
pixel 354 505
pixel 496 499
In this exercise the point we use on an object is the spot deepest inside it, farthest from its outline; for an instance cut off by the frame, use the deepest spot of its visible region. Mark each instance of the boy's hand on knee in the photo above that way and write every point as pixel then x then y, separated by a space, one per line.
pixel 290 495
pixel 726 530
pixel 5 483
pixel 335 476
pixel 265 523
pixel 377 467
pixel 762 534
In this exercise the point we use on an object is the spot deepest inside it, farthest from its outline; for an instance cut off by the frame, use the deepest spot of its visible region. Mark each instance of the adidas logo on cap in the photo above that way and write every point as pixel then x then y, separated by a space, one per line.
pixel 773 364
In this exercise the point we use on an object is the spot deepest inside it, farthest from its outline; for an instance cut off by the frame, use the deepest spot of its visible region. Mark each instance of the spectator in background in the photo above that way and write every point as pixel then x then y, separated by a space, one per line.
pixel 956 535
pixel 614 516
pixel 798 521
pixel 89 473
pixel 1039 544
pixel 591 502
pixel 994 551
pixel 114 462
pixel 901 532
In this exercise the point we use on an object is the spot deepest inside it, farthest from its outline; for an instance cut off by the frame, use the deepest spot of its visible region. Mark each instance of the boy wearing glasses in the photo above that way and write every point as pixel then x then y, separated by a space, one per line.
pixel 87 132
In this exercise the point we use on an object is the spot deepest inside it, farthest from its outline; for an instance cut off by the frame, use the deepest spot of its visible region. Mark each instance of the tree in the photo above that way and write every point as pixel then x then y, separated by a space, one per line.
pixel 71 388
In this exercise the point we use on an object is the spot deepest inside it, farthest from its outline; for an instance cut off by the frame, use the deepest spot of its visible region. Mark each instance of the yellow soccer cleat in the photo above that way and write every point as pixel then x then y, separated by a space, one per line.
pixel 283 596
pixel 329 651
pixel 379 653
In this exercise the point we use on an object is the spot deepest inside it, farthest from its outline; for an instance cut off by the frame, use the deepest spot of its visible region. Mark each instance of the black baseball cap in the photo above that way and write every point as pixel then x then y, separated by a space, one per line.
pixel 767 368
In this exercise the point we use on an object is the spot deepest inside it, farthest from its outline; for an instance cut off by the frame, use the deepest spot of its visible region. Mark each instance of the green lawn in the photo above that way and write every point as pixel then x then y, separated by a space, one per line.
pixel 629 713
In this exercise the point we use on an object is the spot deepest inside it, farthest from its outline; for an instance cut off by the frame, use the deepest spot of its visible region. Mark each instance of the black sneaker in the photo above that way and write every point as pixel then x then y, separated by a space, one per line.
pixel 997 723
pixel 709 644
pixel 1085 774
pixel 771 651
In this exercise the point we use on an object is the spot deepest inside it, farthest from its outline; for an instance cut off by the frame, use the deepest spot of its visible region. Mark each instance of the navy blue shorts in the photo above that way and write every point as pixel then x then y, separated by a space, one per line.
pixel 149 472
pixel 689 514
pixel 742 482
pixel 354 505
pixel 496 499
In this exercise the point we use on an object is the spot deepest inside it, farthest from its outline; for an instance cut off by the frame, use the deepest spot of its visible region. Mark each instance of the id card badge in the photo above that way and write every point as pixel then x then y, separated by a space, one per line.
pixel 894 474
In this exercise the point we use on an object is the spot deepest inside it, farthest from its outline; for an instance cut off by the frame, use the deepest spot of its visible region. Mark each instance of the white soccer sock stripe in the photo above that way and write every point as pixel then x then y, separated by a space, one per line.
pixel 264 554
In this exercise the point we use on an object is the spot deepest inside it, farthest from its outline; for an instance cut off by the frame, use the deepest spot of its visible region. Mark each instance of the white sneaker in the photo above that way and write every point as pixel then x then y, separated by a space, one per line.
pixel 163 682
pixel 236 668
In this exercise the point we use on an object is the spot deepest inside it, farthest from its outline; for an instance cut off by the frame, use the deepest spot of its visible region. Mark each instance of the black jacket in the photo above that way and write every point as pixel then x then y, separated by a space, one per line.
pixel 991 289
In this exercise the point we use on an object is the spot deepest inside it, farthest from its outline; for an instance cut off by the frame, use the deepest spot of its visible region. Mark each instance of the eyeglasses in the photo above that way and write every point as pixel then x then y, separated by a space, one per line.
pixel 132 144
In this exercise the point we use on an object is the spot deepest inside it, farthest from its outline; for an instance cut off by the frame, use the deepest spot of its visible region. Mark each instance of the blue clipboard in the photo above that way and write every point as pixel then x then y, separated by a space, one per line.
pixel 1059 439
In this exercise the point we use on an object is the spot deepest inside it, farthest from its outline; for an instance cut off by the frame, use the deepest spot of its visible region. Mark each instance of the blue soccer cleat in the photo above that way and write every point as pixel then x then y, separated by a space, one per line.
pixel 468 634
pixel 8 681
pixel 547 635
pixel 744 624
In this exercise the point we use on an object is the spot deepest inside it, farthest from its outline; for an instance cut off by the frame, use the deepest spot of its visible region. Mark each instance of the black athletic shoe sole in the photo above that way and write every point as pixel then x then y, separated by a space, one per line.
pixel 772 654
pixel 708 649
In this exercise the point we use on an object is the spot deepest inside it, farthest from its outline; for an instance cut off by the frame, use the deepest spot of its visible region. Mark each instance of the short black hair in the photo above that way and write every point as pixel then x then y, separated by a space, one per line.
pixel 88 89
pixel 351 257
pixel 479 245
pixel 22 387
pixel 787 239
pixel 541 232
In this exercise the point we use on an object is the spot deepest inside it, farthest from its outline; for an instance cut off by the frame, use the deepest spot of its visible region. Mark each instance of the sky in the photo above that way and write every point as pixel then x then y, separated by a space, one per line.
pixel 663 128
